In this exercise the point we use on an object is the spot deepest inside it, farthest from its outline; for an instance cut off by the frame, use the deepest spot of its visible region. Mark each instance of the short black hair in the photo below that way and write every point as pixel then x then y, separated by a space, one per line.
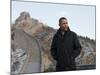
pixel 62 19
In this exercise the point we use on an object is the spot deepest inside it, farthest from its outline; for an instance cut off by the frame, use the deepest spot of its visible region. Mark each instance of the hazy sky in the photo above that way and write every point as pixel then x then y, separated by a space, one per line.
pixel 81 18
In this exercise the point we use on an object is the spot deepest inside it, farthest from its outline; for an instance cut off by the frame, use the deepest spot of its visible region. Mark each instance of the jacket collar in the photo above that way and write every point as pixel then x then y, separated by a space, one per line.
pixel 59 33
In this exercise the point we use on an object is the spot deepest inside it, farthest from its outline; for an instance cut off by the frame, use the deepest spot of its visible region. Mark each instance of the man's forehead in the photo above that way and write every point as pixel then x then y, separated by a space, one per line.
pixel 64 20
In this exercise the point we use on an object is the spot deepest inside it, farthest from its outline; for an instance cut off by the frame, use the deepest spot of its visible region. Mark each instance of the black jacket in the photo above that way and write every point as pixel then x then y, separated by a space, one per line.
pixel 65 48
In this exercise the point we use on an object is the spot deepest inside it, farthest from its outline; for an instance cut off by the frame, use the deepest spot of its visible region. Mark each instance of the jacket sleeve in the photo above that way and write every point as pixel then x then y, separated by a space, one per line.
pixel 53 49
pixel 77 47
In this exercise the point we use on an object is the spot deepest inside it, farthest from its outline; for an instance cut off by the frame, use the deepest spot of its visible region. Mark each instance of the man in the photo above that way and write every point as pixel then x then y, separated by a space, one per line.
pixel 65 47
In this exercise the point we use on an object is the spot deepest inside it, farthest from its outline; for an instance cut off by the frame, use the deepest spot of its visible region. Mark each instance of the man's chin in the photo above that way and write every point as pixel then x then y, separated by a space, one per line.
pixel 64 29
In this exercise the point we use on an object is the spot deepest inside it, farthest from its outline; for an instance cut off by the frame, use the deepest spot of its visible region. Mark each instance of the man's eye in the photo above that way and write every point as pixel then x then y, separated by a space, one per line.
pixel 65 23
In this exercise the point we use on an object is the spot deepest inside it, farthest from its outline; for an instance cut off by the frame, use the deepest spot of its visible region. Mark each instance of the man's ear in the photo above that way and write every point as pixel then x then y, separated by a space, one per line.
pixel 59 24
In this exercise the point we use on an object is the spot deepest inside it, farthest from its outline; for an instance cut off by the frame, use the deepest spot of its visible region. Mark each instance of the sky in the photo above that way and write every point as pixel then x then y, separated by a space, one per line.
pixel 81 18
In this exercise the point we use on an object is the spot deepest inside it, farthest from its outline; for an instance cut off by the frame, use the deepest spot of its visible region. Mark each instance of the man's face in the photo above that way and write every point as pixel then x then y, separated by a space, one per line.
pixel 64 24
